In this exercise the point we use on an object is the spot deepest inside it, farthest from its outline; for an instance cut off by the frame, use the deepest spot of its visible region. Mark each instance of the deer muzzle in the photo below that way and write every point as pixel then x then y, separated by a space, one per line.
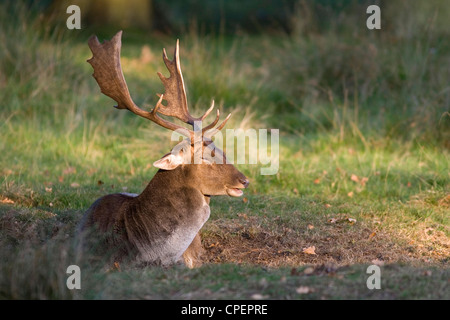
pixel 236 191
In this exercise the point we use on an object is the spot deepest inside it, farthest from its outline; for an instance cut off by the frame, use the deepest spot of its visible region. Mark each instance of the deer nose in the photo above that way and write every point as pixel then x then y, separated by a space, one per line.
pixel 244 182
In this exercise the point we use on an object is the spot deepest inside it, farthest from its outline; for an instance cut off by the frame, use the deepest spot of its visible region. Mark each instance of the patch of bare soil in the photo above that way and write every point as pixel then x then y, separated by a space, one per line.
pixel 342 241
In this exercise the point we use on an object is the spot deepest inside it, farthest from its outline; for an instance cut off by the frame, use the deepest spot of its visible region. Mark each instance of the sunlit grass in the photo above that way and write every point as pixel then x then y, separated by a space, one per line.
pixel 363 135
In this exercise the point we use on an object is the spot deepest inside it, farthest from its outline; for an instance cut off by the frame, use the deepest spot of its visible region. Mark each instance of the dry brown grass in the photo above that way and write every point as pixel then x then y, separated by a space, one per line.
pixel 261 241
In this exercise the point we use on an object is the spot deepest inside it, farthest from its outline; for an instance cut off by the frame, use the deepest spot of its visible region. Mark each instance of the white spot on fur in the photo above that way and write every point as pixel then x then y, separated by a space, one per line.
pixel 134 195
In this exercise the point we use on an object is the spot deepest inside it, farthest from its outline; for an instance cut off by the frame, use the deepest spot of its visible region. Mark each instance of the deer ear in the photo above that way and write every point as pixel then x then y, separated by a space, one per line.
pixel 169 162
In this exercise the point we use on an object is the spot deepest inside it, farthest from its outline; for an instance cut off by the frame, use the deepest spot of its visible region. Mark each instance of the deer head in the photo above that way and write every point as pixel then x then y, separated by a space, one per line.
pixel 197 158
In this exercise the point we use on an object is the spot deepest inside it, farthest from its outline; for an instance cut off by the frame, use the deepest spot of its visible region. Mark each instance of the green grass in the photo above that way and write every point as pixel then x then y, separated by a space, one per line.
pixel 364 134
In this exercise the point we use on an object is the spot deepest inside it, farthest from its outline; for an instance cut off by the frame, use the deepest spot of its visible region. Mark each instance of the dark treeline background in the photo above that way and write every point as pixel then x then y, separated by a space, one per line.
pixel 231 16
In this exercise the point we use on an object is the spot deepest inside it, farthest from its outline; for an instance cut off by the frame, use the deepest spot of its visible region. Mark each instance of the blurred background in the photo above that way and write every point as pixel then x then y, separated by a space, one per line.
pixel 310 68
pixel 251 16
pixel 285 55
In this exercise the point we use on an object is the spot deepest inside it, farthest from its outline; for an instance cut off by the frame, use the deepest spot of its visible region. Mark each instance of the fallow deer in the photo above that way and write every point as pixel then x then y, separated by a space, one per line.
pixel 161 225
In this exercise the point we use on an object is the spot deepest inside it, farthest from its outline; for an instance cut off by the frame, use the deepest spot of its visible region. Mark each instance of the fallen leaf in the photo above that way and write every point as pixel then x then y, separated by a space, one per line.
pixel 48 189
pixel 342 220
pixel 295 190
pixel 351 220
pixel 100 182
pixel 308 270
pixel 350 194
pixel 258 296
pixel 373 234
pixel 75 185
pixel 7 200
pixel 243 215
pixel 69 170
pixel 310 250
pixel 354 178
pixel 317 181
pixel 332 220
pixel 303 290
pixel 213 245
pixel 327 205
pixel 244 200
pixel 310 227
pixel 363 181
pixel 378 262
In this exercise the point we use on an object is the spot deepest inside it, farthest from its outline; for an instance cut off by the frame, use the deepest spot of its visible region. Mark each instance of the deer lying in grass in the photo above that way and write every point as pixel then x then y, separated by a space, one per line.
pixel 161 225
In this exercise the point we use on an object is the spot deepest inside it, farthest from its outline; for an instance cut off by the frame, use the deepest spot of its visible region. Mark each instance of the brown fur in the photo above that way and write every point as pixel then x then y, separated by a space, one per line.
pixel 161 225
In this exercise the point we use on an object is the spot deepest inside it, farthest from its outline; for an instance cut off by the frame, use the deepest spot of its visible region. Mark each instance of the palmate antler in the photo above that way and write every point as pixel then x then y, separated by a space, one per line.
pixel 109 76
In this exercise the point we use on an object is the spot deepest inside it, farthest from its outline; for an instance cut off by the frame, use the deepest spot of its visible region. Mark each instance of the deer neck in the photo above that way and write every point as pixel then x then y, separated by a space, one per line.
pixel 167 183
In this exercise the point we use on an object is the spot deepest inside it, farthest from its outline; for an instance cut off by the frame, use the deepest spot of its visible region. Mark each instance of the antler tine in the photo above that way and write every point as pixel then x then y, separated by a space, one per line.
pixel 208 111
pixel 109 76
pixel 211 125
pixel 175 93
pixel 174 86
pixel 210 133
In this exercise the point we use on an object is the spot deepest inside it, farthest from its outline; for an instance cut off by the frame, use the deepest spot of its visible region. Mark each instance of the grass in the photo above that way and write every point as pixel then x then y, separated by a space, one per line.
pixel 364 161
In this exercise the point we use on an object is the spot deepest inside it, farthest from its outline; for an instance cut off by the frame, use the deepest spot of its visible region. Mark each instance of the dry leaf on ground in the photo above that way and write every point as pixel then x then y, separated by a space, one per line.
pixel 304 290
pixel 258 296
pixel 363 181
pixel 308 270
pixel 7 200
pixel 310 250
pixel 69 170
pixel 351 220
pixel 378 262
